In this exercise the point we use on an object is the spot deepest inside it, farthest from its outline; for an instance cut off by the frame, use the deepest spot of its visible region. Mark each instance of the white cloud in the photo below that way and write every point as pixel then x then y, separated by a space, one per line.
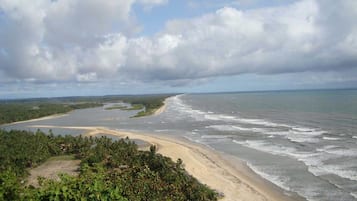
pixel 107 57
pixel 77 22
pixel 73 40
pixel 87 77
pixel 151 3
pixel 52 40
pixel 293 38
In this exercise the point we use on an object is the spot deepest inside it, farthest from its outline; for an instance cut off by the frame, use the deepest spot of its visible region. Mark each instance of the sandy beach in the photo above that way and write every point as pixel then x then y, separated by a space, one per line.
pixel 161 109
pixel 235 182
pixel 230 177
pixel 37 119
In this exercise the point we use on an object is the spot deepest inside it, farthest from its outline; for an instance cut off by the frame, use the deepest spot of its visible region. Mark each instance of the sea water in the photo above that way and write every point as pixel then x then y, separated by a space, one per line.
pixel 303 141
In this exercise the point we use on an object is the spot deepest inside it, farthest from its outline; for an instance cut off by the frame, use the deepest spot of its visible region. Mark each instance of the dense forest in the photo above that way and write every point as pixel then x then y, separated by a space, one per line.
pixel 109 170
pixel 26 109
pixel 12 112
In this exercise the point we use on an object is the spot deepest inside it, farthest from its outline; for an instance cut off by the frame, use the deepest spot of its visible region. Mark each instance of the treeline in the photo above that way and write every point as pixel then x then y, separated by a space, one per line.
pixel 147 104
pixel 150 103
pixel 26 109
pixel 110 170
pixel 12 112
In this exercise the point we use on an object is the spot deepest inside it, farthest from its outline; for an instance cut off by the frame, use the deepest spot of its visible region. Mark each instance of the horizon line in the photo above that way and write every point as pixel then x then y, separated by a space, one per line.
pixel 176 93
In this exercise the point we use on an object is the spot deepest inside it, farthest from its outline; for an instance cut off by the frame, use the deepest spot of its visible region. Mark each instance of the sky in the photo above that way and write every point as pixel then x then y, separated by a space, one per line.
pixel 51 48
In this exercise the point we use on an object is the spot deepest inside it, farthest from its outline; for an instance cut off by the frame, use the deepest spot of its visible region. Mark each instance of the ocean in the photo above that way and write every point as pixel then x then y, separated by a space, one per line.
pixel 302 141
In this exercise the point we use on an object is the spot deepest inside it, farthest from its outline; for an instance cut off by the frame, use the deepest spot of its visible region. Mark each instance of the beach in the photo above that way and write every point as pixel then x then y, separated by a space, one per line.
pixel 208 166
pixel 161 109
pixel 297 152
pixel 227 175
pixel 37 119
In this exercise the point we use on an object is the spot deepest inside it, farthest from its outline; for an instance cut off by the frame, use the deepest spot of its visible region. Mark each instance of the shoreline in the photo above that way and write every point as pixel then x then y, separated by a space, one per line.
pixel 54 116
pixel 235 180
pixel 161 109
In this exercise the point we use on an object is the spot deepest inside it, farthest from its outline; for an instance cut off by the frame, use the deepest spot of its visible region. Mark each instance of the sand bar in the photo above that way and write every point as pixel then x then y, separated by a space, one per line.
pixel 37 119
pixel 208 166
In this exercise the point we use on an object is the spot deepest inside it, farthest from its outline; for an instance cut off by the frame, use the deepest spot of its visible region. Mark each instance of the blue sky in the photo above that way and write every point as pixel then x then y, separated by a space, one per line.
pixel 154 19
pixel 74 47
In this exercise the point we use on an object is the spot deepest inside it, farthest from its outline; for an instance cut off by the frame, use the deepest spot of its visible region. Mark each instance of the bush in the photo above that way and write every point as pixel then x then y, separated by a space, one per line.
pixel 110 170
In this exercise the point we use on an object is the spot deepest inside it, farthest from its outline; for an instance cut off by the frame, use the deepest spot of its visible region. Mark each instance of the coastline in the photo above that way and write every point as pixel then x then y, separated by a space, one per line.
pixel 37 119
pixel 235 180
pixel 156 113
pixel 161 109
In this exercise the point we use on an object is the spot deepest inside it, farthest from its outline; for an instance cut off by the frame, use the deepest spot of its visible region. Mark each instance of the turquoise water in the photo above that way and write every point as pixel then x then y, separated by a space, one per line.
pixel 303 141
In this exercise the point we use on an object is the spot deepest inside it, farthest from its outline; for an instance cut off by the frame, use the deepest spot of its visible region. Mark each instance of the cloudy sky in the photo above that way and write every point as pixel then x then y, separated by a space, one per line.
pixel 95 47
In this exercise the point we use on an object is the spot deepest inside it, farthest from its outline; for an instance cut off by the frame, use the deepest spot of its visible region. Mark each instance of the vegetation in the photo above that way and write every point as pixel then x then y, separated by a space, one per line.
pixel 16 111
pixel 147 104
pixel 136 107
pixel 115 107
pixel 123 107
pixel 110 170
pixel 150 104
pixel 26 109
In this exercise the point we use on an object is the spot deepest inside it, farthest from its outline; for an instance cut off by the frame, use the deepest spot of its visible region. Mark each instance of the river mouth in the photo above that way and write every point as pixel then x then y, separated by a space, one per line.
pixel 303 149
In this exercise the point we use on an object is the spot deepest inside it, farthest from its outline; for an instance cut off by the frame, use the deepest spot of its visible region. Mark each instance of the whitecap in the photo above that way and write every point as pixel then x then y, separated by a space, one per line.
pixel 340 170
pixel 331 138
pixel 298 136
pixel 302 138
pixel 313 160
pixel 214 137
pixel 261 122
pixel 201 115
pixel 278 180
pixel 342 152
pixel 354 194
pixel 261 145
pixel 236 128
